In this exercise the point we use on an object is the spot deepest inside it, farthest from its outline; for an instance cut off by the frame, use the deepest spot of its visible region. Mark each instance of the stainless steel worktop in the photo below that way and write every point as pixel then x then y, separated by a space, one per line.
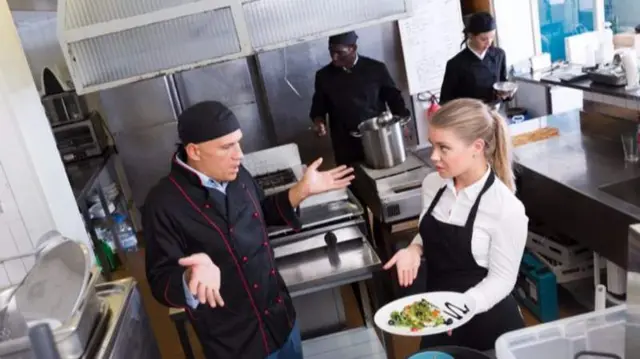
pixel 581 163
pixel 561 182
pixel 551 78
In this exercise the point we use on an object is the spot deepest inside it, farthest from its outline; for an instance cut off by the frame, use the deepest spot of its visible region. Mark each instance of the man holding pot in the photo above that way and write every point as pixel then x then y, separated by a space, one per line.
pixel 350 90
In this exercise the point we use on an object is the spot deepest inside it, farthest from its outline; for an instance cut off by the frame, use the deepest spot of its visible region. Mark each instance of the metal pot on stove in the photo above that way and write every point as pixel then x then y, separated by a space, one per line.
pixel 382 140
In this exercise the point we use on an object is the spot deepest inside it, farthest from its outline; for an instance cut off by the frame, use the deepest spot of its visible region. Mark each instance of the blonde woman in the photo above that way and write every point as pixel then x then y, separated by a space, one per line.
pixel 473 229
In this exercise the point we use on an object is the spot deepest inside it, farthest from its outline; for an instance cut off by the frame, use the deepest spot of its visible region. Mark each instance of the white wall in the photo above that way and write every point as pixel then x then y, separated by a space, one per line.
pixel 518 35
pixel 37 31
pixel 35 194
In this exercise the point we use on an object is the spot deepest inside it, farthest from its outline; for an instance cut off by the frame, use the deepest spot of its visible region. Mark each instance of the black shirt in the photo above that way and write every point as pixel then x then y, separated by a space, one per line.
pixel 466 76
pixel 182 217
pixel 352 96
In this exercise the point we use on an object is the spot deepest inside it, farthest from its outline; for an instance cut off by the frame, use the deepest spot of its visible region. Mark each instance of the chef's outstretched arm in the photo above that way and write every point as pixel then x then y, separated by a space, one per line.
pixel 391 95
pixel 280 209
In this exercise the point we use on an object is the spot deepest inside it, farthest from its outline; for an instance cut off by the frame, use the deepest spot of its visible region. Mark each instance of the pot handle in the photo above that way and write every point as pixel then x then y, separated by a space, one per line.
pixel 405 120
pixel 356 134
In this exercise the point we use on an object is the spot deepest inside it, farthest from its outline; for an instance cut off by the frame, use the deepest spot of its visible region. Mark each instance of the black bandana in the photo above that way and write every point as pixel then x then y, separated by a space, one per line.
pixel 206 121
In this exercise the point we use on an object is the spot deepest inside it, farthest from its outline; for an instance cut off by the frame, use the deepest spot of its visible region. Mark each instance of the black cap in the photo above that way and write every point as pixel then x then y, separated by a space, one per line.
pixel 480 22
pixel 206 121
pixel 347 38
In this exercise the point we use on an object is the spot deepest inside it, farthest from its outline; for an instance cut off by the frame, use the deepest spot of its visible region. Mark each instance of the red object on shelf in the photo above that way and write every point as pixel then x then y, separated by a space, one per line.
pixel 433 107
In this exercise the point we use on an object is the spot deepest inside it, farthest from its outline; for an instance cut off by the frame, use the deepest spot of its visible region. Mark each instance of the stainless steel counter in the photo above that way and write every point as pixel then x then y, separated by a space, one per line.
pixel 561 182
pixel 551 78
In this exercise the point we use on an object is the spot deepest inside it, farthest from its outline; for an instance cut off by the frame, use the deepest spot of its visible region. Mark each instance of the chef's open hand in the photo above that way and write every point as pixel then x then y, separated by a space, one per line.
pixel 203 279
pixel 316 182
pixel 407 262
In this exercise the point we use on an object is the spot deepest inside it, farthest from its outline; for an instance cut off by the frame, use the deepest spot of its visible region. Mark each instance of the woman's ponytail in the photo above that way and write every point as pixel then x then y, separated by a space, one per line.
pixel 501 159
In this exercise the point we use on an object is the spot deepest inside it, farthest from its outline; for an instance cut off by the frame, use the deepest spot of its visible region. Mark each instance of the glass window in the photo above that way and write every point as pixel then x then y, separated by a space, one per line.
pixel 563 18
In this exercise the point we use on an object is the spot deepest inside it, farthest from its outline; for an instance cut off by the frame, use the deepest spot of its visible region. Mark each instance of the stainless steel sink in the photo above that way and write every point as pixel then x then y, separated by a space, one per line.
pixel 628 191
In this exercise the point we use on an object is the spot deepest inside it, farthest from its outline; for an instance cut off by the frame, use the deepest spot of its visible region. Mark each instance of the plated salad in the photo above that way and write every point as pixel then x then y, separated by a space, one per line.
pixel 418 315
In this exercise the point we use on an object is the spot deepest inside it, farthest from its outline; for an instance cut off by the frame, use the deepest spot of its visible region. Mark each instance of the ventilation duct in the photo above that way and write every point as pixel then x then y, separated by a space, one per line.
pixel 109 43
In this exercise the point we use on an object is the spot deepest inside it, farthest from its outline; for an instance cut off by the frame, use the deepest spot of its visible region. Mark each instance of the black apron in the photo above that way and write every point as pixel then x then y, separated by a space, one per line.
pixel 451 267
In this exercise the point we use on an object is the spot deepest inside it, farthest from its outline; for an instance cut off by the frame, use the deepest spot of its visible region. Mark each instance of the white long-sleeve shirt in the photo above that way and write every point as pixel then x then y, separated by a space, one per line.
pixel 499 231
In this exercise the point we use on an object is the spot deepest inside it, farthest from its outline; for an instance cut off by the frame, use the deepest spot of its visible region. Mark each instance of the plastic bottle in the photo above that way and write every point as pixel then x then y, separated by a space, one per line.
pixel 126 234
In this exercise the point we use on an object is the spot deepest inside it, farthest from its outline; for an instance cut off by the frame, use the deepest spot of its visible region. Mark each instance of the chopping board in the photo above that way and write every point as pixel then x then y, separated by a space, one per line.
pixel 534 136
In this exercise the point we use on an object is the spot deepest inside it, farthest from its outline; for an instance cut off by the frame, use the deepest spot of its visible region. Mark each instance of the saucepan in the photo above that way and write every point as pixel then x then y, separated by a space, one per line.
pixel 382 140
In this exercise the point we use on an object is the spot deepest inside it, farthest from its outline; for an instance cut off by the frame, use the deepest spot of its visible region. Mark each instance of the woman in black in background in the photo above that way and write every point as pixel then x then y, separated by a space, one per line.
pixel 474 70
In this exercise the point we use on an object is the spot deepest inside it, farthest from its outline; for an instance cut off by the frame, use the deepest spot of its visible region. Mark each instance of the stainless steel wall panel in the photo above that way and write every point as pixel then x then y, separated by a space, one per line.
pixel 290 112
pixel 227 82
pixel 140 105
pixel 146 155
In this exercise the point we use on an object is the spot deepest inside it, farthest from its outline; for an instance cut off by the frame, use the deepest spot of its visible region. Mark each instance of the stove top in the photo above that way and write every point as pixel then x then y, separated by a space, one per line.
pixel 411 163
pixel 276 179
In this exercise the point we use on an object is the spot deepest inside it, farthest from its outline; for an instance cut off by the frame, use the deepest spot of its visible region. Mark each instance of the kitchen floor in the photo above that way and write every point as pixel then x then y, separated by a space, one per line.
pixel 167 336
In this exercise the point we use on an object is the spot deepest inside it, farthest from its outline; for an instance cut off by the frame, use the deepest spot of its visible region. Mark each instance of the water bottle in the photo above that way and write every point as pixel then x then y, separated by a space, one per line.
pixel 126 234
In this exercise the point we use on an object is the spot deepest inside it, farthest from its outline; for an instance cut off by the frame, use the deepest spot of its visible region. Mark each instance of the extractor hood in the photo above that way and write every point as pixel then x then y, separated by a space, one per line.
pixel 109 43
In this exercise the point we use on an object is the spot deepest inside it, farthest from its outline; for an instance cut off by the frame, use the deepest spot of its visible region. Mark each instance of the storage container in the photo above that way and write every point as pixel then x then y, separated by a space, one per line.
pixel 602 331
pixel 537 288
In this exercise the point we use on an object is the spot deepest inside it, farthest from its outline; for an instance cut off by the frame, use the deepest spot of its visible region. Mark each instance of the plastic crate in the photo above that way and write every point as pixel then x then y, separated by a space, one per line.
pixel 553 249
pixel 537 289
pixel 568 272
pixel 602 331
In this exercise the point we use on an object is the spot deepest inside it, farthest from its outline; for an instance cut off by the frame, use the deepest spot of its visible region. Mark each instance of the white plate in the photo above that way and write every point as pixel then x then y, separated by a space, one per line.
pixel 457 306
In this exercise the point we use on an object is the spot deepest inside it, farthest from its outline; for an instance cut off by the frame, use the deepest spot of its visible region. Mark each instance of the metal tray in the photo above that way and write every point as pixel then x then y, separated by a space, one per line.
pixel 72 337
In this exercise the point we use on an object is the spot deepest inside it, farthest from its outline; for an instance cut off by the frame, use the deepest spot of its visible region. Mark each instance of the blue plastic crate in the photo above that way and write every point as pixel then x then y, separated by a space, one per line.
pixel 537 289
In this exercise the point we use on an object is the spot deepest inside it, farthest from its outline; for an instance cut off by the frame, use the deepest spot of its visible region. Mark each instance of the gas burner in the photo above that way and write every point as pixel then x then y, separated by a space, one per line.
pixel 276 179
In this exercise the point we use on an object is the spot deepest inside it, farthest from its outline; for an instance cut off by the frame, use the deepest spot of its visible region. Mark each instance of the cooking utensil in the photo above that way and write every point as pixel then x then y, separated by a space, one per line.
pixel 382 140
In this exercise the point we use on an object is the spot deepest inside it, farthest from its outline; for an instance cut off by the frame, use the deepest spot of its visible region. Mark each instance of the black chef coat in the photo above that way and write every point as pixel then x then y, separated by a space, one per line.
pixel 466 76
pixel 350 97
pixel 182 217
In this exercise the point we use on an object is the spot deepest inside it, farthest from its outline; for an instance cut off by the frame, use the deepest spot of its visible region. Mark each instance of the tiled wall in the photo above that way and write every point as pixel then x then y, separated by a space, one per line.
pixel 14 238
pixel 614 101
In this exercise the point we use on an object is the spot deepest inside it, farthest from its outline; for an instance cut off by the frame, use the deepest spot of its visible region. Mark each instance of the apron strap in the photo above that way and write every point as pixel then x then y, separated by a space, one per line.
pixel 474 210
pixel 436 199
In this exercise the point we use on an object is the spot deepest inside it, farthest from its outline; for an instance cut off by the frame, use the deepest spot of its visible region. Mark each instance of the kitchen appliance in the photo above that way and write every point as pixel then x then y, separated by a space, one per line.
pixel 330 248
pixel 382 140
pixel 65 107
pixel 81 139
pixel 610 75
pixel 394 194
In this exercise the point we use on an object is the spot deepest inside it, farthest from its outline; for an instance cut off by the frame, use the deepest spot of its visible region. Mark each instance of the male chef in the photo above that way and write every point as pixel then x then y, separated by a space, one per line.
pixel 350 90
pixel 207 246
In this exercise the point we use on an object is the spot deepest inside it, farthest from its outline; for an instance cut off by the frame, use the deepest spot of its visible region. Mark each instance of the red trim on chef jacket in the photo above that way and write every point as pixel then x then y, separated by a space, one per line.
pixel 235 260
pixel 266 243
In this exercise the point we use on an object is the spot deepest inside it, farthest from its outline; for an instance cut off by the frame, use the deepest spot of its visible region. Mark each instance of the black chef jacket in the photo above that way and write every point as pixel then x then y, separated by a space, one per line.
pixel 466 76
pixel 350 97
pixel 182 217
